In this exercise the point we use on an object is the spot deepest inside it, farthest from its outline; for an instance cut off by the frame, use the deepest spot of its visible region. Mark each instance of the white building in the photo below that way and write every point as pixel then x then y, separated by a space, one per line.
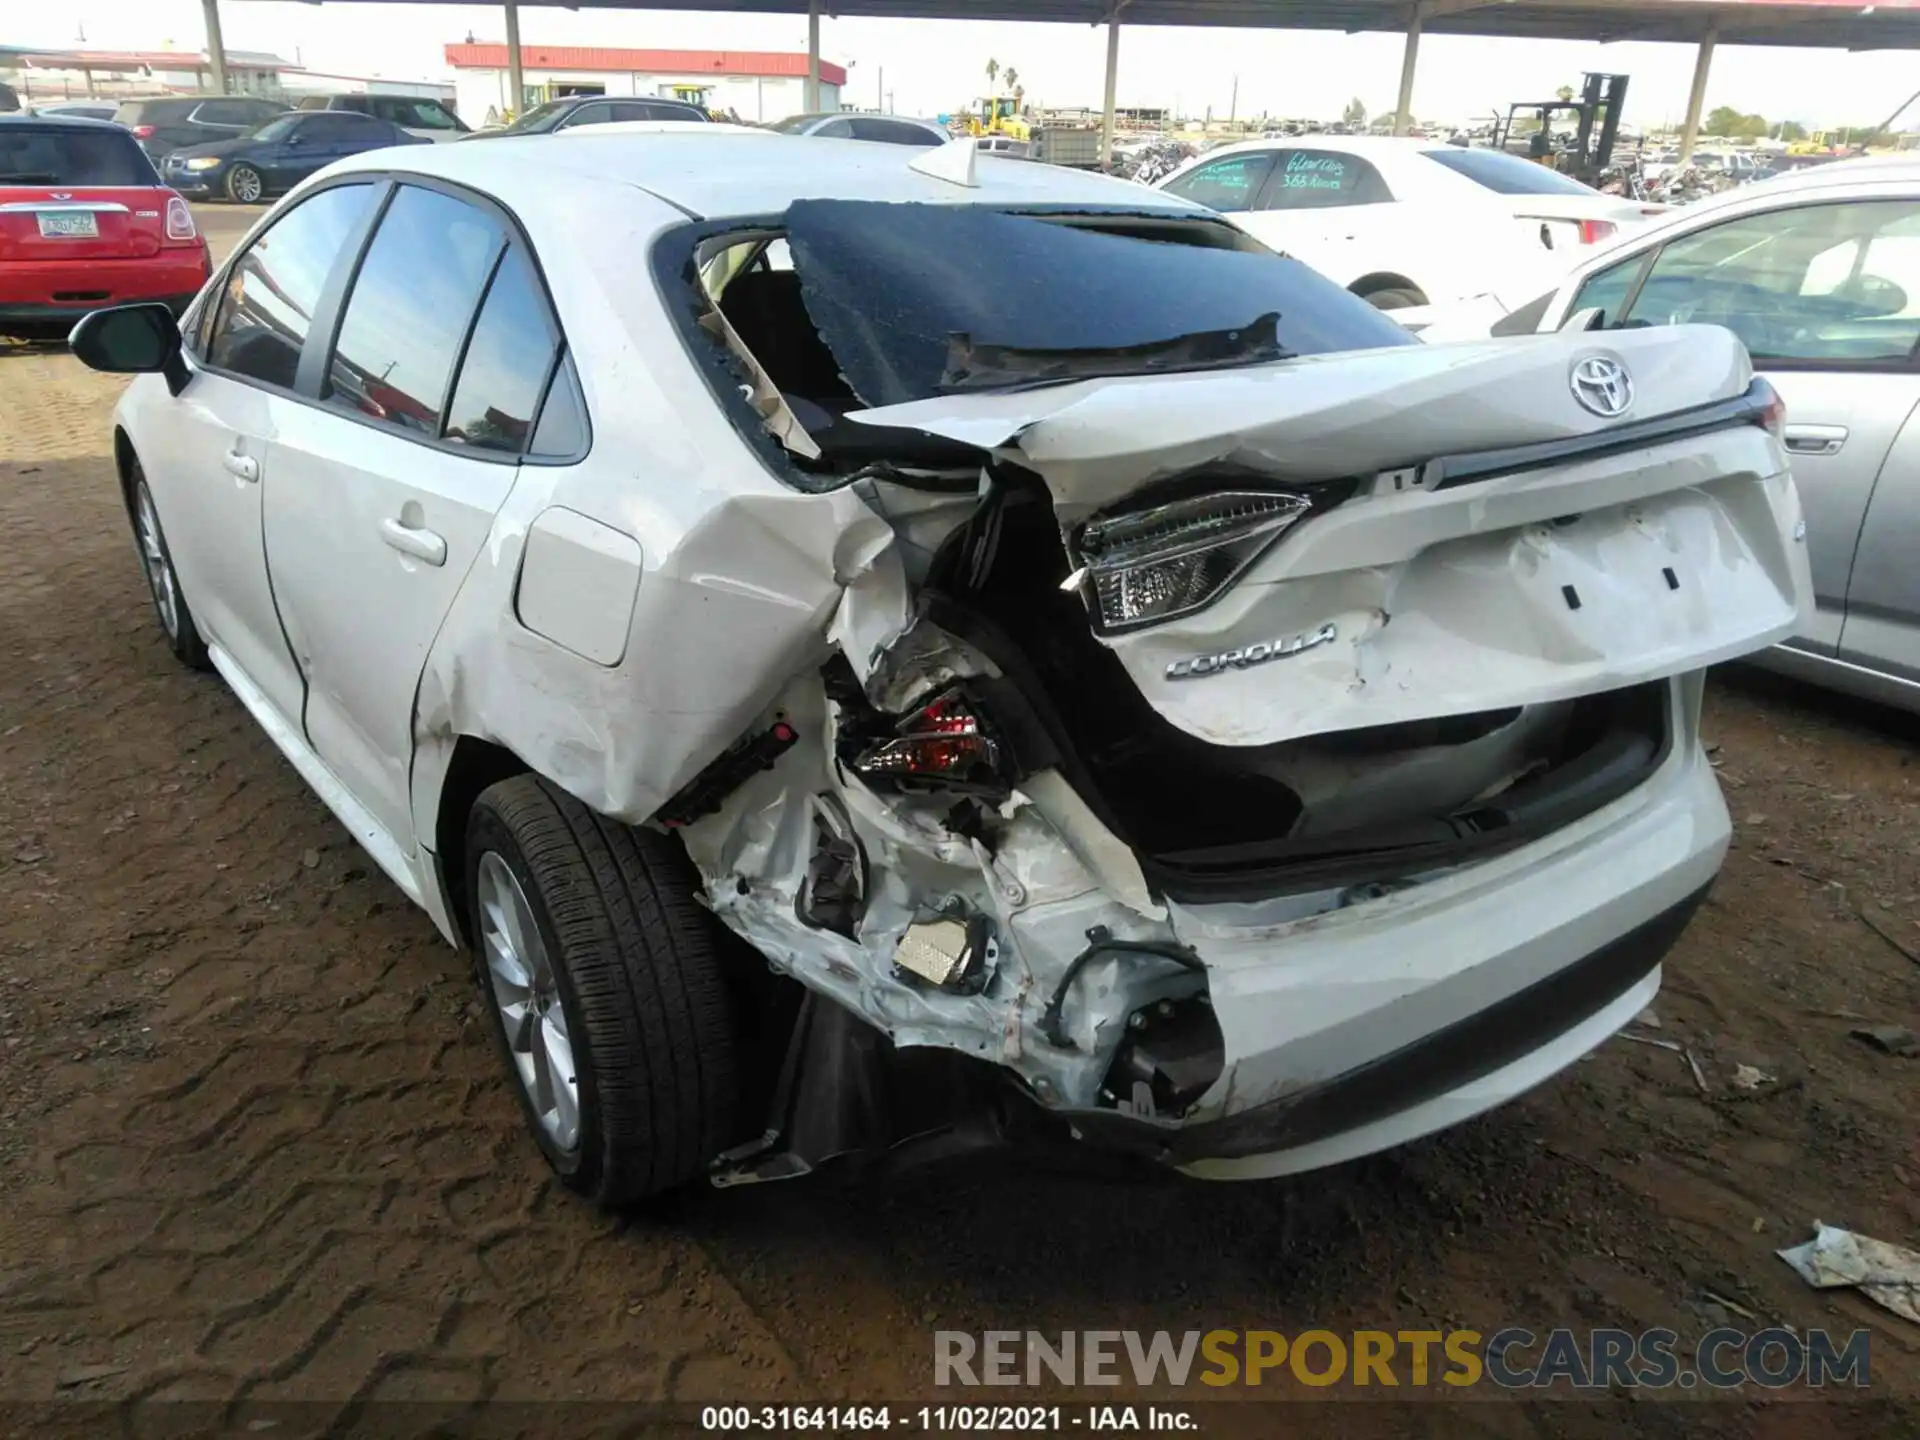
pixel 318 82
pixel 755 85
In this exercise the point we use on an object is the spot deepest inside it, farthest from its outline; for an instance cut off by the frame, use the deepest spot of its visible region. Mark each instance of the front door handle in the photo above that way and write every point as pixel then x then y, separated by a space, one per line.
pixel 244 466
pixel 412 540
pixel 1815 439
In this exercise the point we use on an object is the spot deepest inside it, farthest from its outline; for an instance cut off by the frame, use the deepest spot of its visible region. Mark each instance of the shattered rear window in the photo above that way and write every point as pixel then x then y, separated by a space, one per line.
pixel 917 300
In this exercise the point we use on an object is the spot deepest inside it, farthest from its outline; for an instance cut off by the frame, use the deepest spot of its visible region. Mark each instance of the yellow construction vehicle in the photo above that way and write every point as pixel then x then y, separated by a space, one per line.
pixel 999 115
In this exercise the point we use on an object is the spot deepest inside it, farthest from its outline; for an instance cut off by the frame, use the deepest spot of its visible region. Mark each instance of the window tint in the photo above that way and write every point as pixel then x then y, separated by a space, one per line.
pixel 1817 283
pixel 420 114
pixel 340 125
pixel 268 300
pixel 599 114
pixel 58 156
pixel 277 128
pixel 507 361
pixel 838 128
pixel 313 102
pixel 1229 183
pixel 409 309
pixel 226 112
pixel 1607 290
pixel 1317 179
pixel 892 132
pixel 1503 173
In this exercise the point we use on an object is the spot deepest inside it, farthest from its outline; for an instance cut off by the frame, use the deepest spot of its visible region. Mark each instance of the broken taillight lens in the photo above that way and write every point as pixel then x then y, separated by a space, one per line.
pixel 941 746
pixel 1155 564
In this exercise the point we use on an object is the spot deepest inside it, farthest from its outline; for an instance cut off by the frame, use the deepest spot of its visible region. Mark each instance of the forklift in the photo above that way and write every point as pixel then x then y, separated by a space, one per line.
pixel 1597 117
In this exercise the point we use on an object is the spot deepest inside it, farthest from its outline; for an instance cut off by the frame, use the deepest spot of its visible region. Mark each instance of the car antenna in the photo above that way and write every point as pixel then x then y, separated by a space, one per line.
pixel 952 162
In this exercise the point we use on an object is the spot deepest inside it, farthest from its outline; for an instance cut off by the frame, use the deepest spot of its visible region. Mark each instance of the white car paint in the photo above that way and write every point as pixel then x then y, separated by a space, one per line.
pixel 1852 427
pixel 1412 223
pixel 617 619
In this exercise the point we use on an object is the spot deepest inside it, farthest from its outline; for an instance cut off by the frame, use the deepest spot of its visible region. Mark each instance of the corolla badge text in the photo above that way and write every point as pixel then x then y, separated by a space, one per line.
pixel 1196 666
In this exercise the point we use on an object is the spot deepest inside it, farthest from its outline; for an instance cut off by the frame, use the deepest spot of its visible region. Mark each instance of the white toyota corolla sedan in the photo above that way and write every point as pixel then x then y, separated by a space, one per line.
pixel 879 651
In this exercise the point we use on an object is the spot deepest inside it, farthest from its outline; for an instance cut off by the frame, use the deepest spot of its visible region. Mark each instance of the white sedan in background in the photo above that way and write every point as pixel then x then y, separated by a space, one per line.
pixel 1407 222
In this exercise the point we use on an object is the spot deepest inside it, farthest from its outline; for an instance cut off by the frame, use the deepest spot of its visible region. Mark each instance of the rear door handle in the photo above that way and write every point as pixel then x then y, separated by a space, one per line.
pixel 244 466
pixel 414 541
pixel 1816 439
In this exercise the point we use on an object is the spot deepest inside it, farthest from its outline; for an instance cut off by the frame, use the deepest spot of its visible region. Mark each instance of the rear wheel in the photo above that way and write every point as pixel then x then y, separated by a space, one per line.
pixel 608 997
pixel 245 185
pixel 1398 297
pixel 156 562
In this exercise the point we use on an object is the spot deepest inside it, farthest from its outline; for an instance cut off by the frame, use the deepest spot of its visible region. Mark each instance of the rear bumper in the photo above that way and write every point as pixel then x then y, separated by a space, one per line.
pixel 1366 1027
pixel 68 289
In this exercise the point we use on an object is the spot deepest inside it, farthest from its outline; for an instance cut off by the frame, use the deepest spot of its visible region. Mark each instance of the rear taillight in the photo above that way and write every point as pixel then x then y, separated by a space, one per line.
pixel 143 132
pixel 1594 231
pixel 941 746
pixel 1772 414
pixel 180 220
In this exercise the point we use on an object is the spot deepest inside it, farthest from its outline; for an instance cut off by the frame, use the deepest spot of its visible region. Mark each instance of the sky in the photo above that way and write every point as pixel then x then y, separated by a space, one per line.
pixel 929 67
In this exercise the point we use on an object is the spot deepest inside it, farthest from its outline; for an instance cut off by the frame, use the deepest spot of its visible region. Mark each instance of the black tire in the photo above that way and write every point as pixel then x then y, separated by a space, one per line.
pixel 1396 297
pixel 636 966
pixel 245 185
pixel 163 581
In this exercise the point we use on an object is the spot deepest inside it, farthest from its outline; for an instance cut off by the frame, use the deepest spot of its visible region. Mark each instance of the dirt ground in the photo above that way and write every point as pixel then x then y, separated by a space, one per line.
pixel 253 1145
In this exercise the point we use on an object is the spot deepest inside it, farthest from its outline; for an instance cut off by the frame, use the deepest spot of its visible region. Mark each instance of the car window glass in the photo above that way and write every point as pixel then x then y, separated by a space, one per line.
pixel 1505 174
pixel 409 308
pixel 1317 179
pixel 1229 183
pixel 335 126
pixel 589 115
pixel 838 128
pixel 224 112
pixel 891 132
pixel 267 302
pixel 1606 290
pixel 59 156
pixel 420 114
pixel 1820 283
pixel 562 431
pixel 507 361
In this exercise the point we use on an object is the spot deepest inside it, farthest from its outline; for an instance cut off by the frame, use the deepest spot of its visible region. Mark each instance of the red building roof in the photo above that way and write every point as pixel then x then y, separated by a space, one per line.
pixel 748 63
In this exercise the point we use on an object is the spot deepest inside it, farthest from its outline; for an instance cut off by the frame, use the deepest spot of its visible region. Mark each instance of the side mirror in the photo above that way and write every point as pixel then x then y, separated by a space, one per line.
pixel 131 340
pixel 1591 318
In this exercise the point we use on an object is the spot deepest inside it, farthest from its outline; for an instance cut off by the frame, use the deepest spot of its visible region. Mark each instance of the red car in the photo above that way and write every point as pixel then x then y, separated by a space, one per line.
pixel 85 223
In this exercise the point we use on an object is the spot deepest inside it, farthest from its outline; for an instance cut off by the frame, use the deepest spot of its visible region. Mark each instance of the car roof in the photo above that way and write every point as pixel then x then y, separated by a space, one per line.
pixel 61 122
pixel 718 171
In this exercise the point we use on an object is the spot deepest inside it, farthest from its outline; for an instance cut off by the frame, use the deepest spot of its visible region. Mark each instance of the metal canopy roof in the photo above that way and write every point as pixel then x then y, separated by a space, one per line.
pixel 1826 24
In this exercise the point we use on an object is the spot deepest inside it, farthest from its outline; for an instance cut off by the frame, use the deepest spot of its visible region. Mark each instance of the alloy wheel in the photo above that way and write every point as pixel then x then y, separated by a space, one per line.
pixel 153 559
pixel 527 995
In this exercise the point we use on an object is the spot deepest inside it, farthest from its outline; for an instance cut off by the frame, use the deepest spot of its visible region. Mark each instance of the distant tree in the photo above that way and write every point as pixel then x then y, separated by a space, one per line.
pixel 1013 79
pixel 1355 113
pixel 993 71
pixel 1565 92
pixel 1723 120
pixel 1792 130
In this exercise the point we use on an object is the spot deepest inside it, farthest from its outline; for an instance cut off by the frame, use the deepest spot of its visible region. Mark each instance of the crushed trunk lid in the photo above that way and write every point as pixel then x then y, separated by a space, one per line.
pixel 1496 543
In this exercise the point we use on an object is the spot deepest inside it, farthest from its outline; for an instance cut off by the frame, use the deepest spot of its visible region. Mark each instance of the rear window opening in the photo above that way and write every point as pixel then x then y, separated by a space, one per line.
pixel 853 305
pixel 59 155
pixel 1505 174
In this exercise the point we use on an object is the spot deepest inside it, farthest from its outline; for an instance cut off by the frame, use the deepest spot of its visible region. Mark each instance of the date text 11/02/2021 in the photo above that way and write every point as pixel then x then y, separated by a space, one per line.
pixel 941 1419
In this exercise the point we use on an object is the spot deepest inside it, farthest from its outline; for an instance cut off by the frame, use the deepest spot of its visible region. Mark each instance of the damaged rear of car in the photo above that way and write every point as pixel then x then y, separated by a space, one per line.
pixel 1235 734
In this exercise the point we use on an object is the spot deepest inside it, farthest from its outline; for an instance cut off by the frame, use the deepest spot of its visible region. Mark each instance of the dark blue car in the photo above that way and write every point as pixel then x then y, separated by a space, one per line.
pixel 278 155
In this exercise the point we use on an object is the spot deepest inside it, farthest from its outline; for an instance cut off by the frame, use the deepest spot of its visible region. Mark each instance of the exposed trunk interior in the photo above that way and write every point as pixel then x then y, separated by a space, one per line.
pixel 1210 821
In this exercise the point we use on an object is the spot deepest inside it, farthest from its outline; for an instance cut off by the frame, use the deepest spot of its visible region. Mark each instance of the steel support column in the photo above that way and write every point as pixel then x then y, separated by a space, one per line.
pixel 813 56
pixel 1113 80
pixel 1697 96
pixel 1403 111
pixel 216 46
pixel 516 77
